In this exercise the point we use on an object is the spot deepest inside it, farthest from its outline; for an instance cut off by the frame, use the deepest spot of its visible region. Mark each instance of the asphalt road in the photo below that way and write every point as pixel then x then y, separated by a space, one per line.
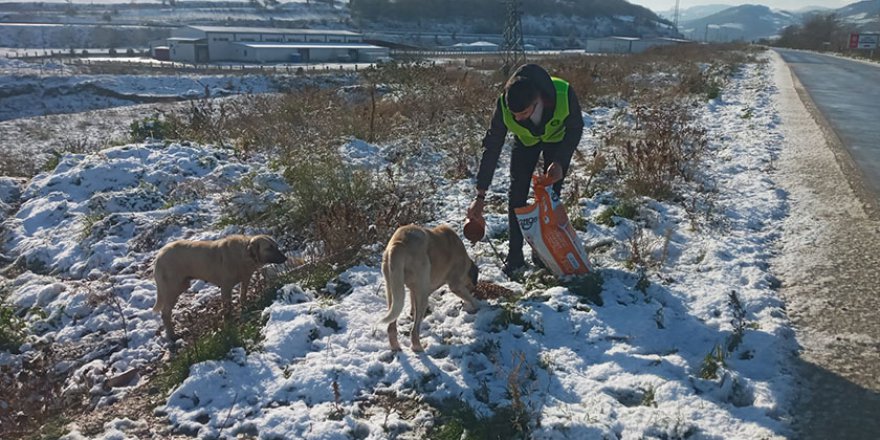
pixel 830 259
pixel 847 92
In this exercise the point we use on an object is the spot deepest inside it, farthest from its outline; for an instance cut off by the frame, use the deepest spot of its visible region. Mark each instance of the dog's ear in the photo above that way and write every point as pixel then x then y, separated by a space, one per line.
pixel 253 249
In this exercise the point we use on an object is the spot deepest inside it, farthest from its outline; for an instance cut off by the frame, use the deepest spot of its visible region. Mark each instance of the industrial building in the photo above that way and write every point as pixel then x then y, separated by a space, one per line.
pixel 204 44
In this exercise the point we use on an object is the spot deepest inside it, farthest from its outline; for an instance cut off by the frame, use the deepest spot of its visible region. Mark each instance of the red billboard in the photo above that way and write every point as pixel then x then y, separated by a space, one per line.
pixel 853 41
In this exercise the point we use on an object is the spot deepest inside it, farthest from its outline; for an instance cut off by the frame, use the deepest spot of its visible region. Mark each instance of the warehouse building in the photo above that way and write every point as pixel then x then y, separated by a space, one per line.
pixel 204 44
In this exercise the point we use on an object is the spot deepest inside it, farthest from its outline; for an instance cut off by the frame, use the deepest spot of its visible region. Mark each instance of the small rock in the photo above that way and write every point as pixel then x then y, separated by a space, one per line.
pixel 122 379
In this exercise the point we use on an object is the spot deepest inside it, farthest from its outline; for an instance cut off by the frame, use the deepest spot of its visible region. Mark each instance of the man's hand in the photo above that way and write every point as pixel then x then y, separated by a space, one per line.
pixel 554 174
pixel 475 211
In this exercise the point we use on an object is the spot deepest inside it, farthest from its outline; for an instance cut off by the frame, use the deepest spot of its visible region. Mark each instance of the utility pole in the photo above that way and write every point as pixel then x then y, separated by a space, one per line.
pixel 677 11
pixel 513 49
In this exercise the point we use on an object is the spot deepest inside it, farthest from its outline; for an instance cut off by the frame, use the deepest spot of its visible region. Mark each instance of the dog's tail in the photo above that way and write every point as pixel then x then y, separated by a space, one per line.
pixel 393 270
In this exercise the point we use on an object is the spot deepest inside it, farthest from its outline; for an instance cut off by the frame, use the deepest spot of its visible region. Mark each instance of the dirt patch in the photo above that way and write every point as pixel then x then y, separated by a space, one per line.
pixel 486 290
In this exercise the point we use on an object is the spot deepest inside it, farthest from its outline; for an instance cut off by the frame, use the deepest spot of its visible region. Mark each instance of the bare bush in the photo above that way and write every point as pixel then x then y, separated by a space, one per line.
pixel 662 144
pixel 339 204
pixel 672 70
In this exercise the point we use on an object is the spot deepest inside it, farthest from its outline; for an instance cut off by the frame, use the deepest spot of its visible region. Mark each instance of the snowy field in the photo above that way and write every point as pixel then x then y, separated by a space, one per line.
pixel 633 367
pixel 47 109
pixel 27 94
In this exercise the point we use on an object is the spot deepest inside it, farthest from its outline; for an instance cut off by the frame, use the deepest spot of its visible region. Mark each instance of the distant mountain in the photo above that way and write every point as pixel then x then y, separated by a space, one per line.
pixel 811 9
pixel 569 19
pixel 739 23
pixel 864 16
pixel 693 13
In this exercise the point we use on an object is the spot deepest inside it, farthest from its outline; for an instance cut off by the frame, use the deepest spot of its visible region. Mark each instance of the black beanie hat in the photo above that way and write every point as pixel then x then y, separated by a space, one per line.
pixel 520 92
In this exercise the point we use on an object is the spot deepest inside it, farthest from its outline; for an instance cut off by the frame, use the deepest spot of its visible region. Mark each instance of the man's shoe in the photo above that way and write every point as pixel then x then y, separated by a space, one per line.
pixel 515 269
pixel 537 261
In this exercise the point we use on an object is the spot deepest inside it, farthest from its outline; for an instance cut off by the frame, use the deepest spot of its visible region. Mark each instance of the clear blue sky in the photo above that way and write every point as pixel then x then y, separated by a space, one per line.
pixel 665 5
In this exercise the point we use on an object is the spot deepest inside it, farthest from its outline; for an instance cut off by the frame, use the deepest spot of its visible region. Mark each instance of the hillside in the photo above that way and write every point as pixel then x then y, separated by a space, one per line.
pixel 422 22
pixel 864 15
pixel 746 22
pixel 577 18
pixel 693 12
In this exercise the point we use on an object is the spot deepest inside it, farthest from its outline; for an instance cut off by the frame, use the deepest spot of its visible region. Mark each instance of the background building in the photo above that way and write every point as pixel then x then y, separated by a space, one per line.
pixel 203 44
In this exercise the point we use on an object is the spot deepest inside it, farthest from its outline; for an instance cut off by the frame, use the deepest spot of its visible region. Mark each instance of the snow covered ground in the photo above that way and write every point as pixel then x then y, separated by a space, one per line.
pixel 46 109
pixel 633 367
pixel 53 91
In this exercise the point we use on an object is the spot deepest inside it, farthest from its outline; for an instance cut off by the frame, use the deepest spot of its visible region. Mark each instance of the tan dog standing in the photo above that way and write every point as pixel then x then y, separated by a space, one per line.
pixel 423 260
pixel 224 263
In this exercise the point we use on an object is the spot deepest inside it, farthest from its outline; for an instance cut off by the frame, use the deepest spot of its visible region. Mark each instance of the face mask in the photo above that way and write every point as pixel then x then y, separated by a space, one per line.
pixel 538 113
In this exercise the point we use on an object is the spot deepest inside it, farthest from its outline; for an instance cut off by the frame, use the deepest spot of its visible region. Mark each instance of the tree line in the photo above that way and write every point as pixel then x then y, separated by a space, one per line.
pixel 819 32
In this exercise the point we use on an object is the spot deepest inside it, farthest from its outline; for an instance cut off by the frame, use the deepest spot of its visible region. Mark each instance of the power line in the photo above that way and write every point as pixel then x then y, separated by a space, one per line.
pixel 513 49
pixel 677 12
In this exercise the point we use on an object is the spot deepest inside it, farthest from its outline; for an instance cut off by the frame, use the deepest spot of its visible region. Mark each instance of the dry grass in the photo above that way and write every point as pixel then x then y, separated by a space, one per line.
pixel 393 101
pixel 655 144
pixel 333 202
pixel 33 393
pixel 662 144
pixel 677 70
pixel 337 207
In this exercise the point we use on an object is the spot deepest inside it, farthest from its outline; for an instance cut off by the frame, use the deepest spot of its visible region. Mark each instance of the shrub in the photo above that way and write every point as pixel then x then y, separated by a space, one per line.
pixel 712 363
pixel 624 209
pixel 53 161
pixel 149 128
pixel 588 288
pixel 213 345
pixel 342 206
pixel 88 222
pixel 663 145
pixel 12 328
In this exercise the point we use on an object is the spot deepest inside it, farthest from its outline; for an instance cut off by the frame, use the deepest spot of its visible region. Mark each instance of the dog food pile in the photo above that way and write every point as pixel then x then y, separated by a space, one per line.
pixel 486 290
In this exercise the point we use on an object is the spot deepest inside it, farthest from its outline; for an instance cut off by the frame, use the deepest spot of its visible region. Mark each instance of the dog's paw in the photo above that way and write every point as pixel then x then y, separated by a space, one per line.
pixel 471 307
pixel 388 356
pixel 418 348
